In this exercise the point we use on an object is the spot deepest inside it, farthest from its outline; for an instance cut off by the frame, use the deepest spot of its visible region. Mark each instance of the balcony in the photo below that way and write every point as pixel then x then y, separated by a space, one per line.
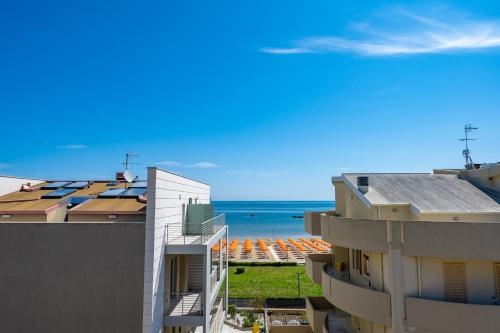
pixel 317 309
pixel 363 234
pixel 366 303
pixel 315 263
pixel 183 238
pixel 184 309
pixel 451 240
pixel 439 316
pixel 312 221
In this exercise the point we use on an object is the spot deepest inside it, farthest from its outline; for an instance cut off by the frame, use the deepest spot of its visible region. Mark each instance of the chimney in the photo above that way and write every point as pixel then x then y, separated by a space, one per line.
pixel 363 184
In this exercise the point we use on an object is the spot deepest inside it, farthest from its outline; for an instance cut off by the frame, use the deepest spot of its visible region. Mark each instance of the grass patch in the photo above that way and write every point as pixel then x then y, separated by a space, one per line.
pixel 262 263
pixel 271 282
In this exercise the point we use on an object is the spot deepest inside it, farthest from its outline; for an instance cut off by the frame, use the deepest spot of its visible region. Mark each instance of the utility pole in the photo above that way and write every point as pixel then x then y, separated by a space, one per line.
pixel 298 284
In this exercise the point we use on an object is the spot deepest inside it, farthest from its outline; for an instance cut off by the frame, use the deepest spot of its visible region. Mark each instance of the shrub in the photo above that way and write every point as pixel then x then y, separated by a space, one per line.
pixel 256 263
pixel 240 270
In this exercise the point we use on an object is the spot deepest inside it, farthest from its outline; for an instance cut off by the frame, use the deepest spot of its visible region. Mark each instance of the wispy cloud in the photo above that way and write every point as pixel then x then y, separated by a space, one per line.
pixel 169 163
pixel 398 31
pixel 202 165
pixel 72 146
pixel 4 165
pixel 198 165
pixel 259 173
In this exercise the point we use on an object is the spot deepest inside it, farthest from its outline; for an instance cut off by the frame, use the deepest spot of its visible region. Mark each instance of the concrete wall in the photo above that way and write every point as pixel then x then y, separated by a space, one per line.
pixel 434 316
pixel 10 184
pixel 168 195
pixel 61 277
pixel 369 304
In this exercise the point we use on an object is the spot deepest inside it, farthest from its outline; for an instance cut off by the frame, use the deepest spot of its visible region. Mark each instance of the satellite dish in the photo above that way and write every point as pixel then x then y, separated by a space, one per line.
pixel 129 176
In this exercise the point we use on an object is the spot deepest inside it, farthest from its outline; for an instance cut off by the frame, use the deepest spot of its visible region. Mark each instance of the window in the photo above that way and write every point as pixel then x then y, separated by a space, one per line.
pixel 173 275
pixel 366 265
pixel 356 259
pixel 455 285
pixel 496 268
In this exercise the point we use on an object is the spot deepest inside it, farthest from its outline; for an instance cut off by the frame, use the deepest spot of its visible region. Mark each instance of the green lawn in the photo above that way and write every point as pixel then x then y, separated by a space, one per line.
pixel 271 282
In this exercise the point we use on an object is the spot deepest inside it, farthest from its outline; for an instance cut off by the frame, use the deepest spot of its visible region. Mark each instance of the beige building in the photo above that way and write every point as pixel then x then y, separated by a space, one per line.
pixel 412 252
pixel 111 256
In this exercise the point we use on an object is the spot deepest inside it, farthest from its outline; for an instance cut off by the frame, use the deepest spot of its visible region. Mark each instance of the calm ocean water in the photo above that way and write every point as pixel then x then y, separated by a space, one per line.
pixel 252 219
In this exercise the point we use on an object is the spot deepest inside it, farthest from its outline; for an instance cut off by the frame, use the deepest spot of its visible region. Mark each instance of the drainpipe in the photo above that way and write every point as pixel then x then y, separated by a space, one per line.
pixel 396 276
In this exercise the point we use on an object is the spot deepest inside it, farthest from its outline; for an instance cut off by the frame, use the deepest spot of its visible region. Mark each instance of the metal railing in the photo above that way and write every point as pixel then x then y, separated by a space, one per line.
pixel 176 233
pixel 214 277
pixel 211 227
pixel 217 318
pixel 184 304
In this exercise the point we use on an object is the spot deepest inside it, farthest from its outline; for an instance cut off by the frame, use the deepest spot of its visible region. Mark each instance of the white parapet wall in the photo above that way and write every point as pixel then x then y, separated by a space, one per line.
pixel 9 184
pixel 167 194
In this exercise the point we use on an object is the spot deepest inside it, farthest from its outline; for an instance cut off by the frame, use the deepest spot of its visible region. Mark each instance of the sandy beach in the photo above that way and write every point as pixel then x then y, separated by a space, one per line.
pixel 279 250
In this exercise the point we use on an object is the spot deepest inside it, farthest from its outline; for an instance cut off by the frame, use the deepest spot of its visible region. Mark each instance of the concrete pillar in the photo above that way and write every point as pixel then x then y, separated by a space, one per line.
pixel 394 240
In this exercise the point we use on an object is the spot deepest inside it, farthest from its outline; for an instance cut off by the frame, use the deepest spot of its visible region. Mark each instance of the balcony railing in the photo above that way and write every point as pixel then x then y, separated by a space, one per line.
pixel 176 233
pixel 363 302
pixel 184 304
pixel 217 318
pixel 439 316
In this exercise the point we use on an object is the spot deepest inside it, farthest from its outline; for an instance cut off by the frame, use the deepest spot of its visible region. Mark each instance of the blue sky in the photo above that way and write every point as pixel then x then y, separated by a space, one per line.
pixel 261 99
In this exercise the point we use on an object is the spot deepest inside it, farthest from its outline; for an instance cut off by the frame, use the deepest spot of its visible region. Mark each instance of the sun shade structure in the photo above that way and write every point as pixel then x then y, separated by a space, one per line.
pixel 60 193
pixel 281 244
pixel 297 245
pixel 54 185
pixel 262 245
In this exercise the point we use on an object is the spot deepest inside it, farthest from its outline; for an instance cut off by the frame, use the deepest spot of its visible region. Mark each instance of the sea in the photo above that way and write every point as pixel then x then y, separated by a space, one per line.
pixel 268 219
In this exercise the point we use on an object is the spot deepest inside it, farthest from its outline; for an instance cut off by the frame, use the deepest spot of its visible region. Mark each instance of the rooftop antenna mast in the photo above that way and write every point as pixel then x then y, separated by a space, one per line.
pixel 466 152
pixel 128 157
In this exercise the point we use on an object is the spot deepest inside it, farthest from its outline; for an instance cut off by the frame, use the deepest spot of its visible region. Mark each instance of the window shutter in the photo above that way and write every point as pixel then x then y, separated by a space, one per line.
pixel 497 279
pixel 455 284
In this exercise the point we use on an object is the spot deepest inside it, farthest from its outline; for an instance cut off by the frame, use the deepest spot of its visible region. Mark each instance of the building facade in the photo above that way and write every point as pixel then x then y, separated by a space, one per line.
pixel 111 256
pixel 413 252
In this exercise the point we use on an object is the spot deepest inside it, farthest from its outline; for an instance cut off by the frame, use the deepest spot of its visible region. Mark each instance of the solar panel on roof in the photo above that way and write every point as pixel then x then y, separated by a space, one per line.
pixel 143 184
pixel 133 192
pixel 54 185
pixel 78 185
pixel 114 192
pixel 62 192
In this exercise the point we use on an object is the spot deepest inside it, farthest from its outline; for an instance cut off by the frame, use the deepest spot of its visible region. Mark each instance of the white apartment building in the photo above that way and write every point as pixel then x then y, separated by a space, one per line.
pixel 412 252
pixel 111 256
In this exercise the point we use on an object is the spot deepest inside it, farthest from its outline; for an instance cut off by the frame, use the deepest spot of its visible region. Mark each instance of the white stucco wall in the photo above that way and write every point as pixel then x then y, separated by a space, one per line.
pixel 10 184
pixel 167 192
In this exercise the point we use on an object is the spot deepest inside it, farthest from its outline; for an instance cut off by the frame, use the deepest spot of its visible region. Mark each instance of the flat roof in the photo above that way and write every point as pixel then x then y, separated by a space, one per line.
pixel 427 193
pixel 23 202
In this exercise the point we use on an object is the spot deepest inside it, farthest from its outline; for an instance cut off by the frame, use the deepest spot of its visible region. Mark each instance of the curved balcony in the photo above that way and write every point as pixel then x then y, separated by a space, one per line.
pixel 363 234
pixel 366 303
pixel 315 263
pixel 438 316
pixel 449 240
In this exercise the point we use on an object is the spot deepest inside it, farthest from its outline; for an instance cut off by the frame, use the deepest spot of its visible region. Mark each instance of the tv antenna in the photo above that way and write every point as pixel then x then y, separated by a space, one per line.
pixel 128 157
pixel 466 152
